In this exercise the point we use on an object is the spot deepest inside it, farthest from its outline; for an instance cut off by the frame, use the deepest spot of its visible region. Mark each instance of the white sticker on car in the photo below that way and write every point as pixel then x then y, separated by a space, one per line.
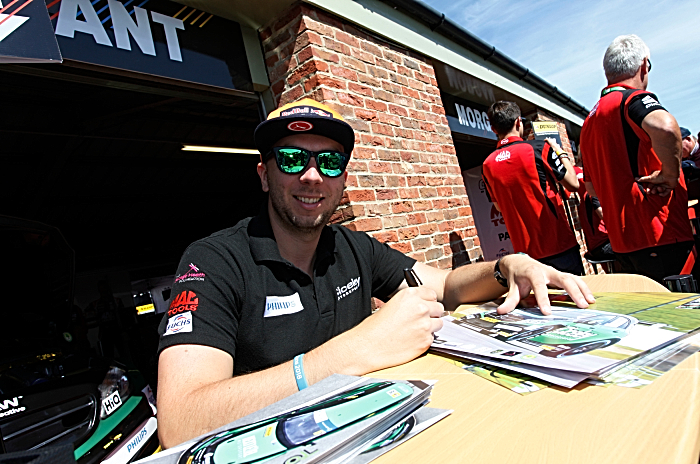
pixel 111 403
pixel 279 305
pixel 133 444
pixel 179 324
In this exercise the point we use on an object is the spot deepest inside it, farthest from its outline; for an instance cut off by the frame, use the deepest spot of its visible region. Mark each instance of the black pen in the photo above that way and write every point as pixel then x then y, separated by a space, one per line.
pixel 413 281
pixel 411 277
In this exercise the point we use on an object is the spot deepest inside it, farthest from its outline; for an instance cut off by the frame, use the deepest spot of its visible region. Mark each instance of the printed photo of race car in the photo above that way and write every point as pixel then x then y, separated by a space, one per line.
pixel 564 333
pixel 277 435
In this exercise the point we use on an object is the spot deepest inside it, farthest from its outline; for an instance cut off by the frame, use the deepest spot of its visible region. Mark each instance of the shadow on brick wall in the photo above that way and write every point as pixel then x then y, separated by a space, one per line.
pixel 460 255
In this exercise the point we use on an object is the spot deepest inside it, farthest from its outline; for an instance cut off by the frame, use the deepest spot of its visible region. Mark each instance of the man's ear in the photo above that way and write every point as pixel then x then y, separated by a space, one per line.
pixel 262 172
pixel 644 68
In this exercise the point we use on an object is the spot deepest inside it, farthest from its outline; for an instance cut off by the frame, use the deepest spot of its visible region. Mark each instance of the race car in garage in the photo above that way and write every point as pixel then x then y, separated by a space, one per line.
pixel 54 388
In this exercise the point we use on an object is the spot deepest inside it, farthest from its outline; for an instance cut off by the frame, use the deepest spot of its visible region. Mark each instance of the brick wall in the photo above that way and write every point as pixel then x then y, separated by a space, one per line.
pixel 404 185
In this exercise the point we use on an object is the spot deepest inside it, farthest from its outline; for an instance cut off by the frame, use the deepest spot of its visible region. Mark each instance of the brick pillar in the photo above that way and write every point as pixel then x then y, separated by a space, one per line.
pixel 404 185
pixel 540 115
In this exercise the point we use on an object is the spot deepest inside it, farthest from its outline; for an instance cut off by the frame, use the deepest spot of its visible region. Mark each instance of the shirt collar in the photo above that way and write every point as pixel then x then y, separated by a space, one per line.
pixel 613 87
pixel 263 246
pixel 508 140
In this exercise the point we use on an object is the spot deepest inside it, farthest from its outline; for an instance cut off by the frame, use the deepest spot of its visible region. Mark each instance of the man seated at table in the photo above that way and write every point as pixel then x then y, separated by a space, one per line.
pixel 249 301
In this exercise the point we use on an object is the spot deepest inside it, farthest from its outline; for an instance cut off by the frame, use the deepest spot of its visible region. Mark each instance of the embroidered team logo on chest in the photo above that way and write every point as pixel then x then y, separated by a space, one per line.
pixel 347 289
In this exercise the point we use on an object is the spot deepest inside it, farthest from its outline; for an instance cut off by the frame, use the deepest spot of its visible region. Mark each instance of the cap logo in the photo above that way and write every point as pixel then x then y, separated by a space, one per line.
pixel 300 126
pixel 305 110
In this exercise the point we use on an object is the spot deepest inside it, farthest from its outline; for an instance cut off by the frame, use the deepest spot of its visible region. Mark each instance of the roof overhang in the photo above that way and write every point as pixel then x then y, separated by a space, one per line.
pixel 384 20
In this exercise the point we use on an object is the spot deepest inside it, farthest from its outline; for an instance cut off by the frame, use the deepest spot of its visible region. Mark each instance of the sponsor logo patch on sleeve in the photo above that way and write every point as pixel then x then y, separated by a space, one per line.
pixel 194 274
pixel 179 324
pixel 502 156
pixel 649 101
pixel 184 301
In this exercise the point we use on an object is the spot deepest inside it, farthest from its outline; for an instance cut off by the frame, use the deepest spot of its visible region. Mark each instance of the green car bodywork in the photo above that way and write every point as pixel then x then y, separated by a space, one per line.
pixel 266 439
pixel 565 333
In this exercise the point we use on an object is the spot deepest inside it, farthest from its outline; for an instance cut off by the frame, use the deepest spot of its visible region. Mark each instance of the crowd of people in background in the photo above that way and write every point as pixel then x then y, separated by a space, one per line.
pixel 632 194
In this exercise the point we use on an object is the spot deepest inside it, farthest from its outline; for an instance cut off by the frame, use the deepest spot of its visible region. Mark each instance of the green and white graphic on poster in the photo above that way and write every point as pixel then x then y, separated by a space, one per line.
pixel 618 328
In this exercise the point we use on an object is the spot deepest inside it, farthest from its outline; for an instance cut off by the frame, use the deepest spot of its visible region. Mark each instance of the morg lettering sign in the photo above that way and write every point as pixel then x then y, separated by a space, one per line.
pixel 157 37
pixel 467 117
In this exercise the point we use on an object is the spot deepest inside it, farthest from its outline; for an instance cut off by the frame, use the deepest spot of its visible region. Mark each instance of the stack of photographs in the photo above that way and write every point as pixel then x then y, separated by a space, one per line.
pixel 626 339
pixel 352 423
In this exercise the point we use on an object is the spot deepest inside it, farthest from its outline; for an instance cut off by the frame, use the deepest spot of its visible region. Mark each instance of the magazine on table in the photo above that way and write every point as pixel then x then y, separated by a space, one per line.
pixel 643 371
pixel 571 343
pixel 393 437
pixel 563 378
pixel 336 419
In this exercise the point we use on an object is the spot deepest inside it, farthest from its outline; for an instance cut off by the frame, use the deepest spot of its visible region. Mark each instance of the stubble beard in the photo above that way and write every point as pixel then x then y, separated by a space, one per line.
pixel 301 225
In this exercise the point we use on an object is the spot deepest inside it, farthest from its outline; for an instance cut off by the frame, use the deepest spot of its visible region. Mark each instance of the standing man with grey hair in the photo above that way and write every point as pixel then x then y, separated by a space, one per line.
pixel 631 149
pixel 691 147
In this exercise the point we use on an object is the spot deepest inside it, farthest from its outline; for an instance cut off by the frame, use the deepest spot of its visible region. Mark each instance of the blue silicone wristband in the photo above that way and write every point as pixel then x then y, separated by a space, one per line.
pixel 299 374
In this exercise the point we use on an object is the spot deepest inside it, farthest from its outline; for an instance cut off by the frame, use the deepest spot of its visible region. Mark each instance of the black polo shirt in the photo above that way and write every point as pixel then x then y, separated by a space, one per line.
pixel 234 292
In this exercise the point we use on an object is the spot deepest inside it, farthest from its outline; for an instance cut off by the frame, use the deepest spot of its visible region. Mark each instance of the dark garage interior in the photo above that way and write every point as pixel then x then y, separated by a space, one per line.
pixel 99 156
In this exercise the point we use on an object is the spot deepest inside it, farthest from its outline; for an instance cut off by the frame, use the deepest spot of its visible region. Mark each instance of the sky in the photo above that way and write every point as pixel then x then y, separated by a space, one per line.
pixel 564 42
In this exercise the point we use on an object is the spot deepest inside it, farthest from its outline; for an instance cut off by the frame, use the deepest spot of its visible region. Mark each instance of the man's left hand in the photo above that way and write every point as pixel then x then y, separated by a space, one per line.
pixel 525 274
pixel 553 143
pixel 658 184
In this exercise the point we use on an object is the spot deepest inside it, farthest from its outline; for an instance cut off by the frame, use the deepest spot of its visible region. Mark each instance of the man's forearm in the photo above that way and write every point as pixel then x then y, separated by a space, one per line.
pixel 665 140
pixel 590 189
pixel 570 180
pixel 183 415
pixel 192 401
pixel 471 283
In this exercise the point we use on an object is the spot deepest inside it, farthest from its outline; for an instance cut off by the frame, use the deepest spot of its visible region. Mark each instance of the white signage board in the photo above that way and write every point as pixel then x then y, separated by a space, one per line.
pixel 493 235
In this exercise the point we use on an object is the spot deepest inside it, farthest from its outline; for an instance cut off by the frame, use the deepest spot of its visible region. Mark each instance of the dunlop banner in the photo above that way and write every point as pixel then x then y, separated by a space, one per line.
pixel 546 129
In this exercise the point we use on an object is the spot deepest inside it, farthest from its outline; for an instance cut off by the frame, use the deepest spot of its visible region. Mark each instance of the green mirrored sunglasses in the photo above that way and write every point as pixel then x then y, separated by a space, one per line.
pixel 293 160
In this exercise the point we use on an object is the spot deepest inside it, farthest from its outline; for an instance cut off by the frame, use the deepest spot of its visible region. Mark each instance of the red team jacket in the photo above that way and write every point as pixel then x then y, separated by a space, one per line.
pixel 522 178
pixel 616 150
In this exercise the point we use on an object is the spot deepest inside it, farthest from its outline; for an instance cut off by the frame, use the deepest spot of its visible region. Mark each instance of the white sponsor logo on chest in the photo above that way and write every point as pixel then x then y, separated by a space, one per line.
pixel 347 289
pixel 279 305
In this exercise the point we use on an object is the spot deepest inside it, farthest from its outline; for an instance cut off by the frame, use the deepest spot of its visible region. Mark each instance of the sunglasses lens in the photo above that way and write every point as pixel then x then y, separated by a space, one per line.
pixel 292 160
pixel 331 163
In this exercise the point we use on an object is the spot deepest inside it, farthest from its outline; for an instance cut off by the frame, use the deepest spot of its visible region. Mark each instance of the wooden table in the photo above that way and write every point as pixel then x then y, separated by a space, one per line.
pixel 659 423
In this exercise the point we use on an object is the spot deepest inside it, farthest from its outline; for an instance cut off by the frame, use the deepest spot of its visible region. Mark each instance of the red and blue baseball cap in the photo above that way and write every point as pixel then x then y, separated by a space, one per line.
pixel 305 116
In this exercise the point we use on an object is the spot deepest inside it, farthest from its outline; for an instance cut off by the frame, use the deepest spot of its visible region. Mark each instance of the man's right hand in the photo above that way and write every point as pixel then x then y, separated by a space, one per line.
pixel 401 330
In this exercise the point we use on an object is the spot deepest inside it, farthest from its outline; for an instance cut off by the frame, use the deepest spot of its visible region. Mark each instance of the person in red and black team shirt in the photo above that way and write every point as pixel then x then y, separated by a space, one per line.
pixel 631 152
pixel 590 216
pixel 521 179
